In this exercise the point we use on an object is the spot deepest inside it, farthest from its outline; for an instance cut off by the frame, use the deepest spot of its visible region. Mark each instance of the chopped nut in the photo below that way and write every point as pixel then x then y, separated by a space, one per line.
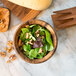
pixel 1 21
pixel 9 49
pixel 37 35
pixel 10 43
pixel 27 26
pixel 8 61
pixel 19 42
pixel 2 25
pixel 12 57
pixel 6 48
pixel 27 35
pixel 3 54
pixel 37 32
pixel 30 42
pixel 41 50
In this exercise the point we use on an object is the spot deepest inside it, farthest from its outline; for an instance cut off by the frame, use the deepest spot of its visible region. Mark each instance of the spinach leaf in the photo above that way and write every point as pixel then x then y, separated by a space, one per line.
pixel 32 26
pixel 30 57
pixel 26 49
pixel 24 30
pixel 42 33
pixel 44 40
pixel 50 48
pixel 48 38
pixel 33 53
pixel 47 47
pixel 39 56
pixel 22 36
pixel 35 28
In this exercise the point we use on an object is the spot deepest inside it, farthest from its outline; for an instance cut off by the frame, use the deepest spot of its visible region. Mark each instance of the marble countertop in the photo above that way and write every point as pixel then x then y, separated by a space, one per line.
pixel 62 63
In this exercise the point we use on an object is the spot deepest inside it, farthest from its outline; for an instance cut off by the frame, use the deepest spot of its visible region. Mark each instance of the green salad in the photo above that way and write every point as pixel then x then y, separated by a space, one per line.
pixel 35 41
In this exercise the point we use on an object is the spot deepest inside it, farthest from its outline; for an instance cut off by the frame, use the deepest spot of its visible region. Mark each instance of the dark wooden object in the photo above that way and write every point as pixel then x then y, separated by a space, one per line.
pixel 43 24
pixel 64 18
pixel 22 13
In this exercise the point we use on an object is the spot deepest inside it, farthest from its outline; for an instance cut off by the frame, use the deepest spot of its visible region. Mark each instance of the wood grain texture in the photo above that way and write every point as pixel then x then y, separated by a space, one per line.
pixel 22 13
pixel 43 24
pixel 4 19
pixel 64 18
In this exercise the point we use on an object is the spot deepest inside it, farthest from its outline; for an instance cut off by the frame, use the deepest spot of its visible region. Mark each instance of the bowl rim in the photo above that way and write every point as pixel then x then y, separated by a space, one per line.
pixel 34 60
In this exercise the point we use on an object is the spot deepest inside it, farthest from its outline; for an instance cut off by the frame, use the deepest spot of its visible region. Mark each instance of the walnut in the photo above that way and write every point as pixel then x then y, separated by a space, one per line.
pixel 6 48
pixel 37 35
pixel 8 61
pixel 37 32
pixel 10 43
pixel 19 43
pixel 12 57
pixel 41 50
pixel 3 54
pixel 2 26
pixel 30 42
pixel 9 49
pixel 27 26
pixel 27 35
pixel 1 21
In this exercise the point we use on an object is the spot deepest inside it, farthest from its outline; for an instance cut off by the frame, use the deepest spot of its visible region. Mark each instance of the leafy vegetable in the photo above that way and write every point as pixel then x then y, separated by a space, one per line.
pixel 22 36
pixel 24 30
pixel 35 28
pixel 26 51
pixel 48 37
pixel 31 36
pixel 32 26
pixel 32 51
pixel 42 33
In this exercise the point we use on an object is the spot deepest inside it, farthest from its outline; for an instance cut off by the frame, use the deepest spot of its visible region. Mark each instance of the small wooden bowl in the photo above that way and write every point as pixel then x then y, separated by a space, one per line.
pixel 43 24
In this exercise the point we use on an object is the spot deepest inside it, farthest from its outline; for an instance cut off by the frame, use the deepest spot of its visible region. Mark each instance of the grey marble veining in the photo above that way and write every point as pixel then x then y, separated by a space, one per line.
pixel 63 62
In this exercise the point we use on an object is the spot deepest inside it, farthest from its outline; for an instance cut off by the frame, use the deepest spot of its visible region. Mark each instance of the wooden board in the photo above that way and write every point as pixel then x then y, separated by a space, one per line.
pixel 22 13
pixel 64 18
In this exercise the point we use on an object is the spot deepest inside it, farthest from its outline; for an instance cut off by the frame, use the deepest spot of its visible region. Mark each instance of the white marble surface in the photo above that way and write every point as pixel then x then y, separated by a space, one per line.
pixel 63 62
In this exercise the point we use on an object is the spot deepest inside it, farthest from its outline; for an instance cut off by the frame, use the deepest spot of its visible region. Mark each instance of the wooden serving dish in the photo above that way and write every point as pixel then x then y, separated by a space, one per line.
pixel 43 24
pixel 4 19
pixel 22 13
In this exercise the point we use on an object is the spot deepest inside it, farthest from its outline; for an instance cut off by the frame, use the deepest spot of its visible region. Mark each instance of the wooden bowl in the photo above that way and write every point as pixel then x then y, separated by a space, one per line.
pixel 43 24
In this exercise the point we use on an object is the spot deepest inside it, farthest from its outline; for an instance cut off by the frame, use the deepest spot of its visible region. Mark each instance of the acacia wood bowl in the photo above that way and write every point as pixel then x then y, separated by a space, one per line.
pixel 43 24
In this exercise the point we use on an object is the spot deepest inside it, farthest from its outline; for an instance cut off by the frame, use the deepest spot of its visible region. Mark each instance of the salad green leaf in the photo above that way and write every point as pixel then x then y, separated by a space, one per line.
pixel 33 53
pixel 31 36
pixel 22 36
pixel 44 38
pixel 24 30
pixel 48 38
pixel 32 26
